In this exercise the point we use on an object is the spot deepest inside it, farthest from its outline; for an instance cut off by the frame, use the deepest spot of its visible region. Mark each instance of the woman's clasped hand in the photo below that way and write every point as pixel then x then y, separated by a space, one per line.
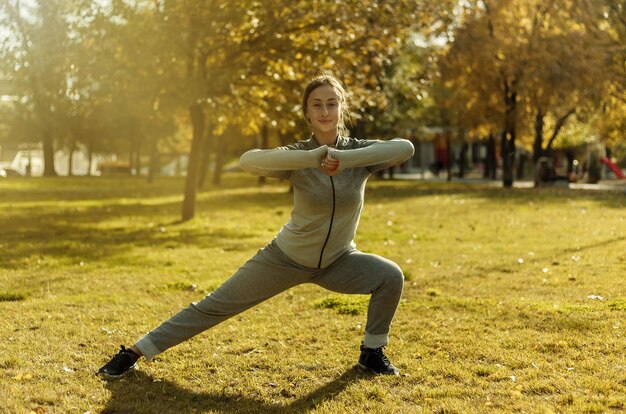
pixel 329 166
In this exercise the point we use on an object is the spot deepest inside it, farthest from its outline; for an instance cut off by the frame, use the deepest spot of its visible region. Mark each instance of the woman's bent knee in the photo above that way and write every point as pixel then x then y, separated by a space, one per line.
pixel 398 277
pixel 395 276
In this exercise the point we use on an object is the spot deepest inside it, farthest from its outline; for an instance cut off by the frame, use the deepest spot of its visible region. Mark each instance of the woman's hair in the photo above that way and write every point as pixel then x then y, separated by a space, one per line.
pixel 328 79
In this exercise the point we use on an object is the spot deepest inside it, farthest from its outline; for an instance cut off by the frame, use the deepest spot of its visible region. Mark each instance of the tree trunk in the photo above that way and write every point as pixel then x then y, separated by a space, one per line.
pixel 48 155
pixel 559 125
pixel 487 160
pixel 89 154
pixel 504 150
pixel 570 161
pixel 197 121
pixel 205 158
pixel 463 159
pixel 359 131
pixel 155 162
pixel 284 138
pixel 490 161
pixel 508 136
pixel 29 166
pixel 265 137
pixel 449 157
pixel 137 155
pixel 131 157
pixel 538 143
pixel 521 164
pixel 70 160
pixel 219 159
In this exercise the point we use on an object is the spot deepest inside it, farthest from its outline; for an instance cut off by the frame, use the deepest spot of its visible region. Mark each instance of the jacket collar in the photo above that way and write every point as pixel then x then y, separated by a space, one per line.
pixel 339 144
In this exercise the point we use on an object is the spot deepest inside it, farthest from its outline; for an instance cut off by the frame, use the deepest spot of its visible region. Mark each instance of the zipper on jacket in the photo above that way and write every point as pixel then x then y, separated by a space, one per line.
pixel 330 227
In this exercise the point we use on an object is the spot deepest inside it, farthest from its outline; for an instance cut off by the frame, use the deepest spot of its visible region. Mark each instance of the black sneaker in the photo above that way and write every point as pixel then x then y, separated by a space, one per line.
pixel 121 364
pixel 375 360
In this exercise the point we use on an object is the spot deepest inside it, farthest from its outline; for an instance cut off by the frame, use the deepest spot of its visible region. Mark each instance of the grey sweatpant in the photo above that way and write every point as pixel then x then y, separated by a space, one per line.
pixel 270 272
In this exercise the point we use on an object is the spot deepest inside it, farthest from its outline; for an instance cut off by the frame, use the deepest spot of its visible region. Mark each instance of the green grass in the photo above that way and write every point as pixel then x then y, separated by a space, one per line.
pixel 514 301
pixel 345 304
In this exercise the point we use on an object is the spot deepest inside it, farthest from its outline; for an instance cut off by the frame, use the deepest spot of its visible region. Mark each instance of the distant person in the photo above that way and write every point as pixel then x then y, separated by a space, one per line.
pixel 328 173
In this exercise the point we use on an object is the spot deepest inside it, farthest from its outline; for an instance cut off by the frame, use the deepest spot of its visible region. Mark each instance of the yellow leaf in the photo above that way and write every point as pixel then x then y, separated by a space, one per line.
pixel 23 377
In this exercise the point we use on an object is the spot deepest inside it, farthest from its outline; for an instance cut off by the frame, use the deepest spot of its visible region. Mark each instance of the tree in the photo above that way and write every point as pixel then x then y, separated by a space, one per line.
pixel 565 76
pixel 610 119
pixel 260 58
pixel 129 71
pixel 38 51
pixel 507 59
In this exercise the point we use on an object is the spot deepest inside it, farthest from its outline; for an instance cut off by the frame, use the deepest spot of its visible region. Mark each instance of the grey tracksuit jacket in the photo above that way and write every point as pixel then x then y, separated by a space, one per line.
pixel 326 209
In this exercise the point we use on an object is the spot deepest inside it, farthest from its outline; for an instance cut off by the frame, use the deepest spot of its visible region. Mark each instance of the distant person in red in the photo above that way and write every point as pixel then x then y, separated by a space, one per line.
pixel 328 172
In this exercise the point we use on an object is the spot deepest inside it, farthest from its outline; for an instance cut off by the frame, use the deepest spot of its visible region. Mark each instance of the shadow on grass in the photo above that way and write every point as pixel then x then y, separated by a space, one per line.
pixel 140 393
pixel 558 252
pixel 75 234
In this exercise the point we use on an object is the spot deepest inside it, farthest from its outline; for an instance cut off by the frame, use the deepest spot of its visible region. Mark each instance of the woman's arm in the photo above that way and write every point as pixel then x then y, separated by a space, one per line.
pixel 376 156
pixel 273 162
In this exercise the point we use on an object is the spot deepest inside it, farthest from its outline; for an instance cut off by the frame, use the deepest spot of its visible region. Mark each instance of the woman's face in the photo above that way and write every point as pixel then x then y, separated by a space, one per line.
pixel 324 108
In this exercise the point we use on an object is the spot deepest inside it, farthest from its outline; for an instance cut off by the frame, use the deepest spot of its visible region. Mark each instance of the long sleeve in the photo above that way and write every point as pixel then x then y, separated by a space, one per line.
pixel 279 161
pixel 376 156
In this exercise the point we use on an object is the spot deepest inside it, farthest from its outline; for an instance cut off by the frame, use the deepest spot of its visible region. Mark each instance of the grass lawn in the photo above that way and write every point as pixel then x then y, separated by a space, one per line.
pixel 514 301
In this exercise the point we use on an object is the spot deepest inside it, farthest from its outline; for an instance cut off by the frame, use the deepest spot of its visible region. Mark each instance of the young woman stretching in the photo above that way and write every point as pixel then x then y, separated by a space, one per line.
pixel 328 172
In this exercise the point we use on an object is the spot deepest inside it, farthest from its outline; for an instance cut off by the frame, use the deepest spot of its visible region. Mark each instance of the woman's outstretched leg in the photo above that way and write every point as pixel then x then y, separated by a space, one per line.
pixel 268 273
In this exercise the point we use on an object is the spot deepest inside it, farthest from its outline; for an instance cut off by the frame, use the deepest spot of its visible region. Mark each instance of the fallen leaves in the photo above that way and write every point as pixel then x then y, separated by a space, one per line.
pixel 23 376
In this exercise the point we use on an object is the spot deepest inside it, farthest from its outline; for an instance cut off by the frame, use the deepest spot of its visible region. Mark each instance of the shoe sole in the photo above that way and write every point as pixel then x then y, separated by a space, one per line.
pixel 370 370
pixel 110 377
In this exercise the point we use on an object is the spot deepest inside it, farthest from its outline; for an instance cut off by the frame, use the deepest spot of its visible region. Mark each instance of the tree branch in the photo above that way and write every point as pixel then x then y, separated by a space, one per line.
pixel 14 13
pixel 559 125
pixel 489 22
pixel 619 15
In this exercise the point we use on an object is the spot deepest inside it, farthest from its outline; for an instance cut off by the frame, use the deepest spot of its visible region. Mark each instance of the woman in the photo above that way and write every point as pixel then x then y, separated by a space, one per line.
pixel 328 172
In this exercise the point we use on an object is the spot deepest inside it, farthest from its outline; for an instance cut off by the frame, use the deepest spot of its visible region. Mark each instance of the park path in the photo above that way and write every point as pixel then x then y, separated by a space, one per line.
pixel 602 185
